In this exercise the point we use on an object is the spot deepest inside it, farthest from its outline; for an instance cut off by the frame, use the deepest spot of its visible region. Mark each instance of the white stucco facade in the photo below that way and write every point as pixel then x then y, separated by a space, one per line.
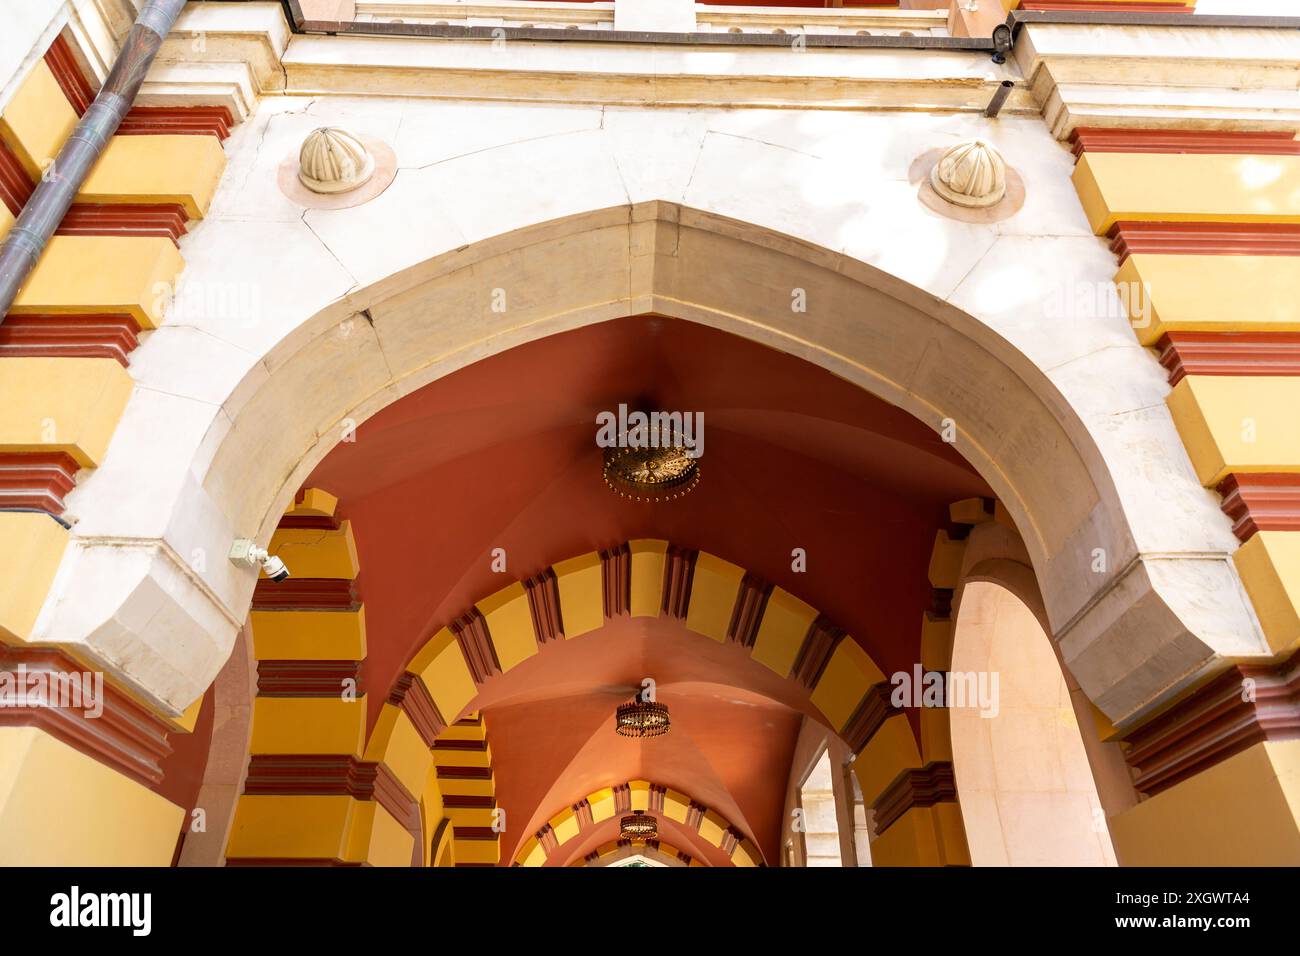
pixel 584 204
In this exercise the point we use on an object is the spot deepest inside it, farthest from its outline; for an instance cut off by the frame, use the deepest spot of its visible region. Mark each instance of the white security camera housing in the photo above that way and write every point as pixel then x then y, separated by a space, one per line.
pixel 244 552
pixel 274 569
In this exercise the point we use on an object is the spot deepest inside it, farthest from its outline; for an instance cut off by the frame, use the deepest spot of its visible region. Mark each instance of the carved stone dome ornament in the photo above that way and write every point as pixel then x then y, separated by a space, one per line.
pixel 336 169
pixel 971 174
pixel 968 182
pixel 334 161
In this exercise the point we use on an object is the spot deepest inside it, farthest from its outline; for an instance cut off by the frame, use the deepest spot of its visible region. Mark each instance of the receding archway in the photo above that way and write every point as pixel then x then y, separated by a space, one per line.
pixel 511 643
pixel 740 686
pixel 1027 791
pixel 371 347
pixel 688 833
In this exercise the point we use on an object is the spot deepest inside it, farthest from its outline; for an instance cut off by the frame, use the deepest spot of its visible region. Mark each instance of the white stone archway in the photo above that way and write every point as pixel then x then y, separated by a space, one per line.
pixel 213 445
pixel 1026 789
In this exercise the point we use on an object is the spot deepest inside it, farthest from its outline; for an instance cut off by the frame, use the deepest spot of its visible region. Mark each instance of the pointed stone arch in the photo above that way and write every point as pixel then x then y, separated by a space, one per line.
pixel 1151 618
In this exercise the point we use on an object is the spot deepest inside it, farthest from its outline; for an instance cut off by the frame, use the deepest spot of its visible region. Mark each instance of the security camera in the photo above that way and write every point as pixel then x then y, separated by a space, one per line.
pixel 244 552
pixel 1002 42
pixel 274 568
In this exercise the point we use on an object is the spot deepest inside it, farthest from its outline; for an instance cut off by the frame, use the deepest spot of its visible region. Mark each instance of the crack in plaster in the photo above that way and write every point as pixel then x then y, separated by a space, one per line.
pixel 762 142
pixel 325 245
pixel 486 149
pixel 952 293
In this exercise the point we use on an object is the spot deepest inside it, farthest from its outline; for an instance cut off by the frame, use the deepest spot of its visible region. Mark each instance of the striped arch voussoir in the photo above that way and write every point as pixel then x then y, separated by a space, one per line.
pixel 645 797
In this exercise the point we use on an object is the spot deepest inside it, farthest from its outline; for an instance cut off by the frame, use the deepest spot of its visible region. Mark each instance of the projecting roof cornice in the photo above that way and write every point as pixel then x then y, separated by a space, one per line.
pixel 220 54
pixel 1074 69
pixel 1145 74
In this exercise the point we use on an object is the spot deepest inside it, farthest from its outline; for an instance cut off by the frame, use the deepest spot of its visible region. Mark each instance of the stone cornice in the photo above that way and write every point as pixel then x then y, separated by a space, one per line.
pixel 98 719
pixel 1262 502
pixel 913 788
pixel 1152 574
pixel 192 595
pixel 1242 353
pixel 586 70
pixel 220 54
pixel 1153 72
pixel 845 18
pixel 720 17
pixel 101 25
pixel 254 33
pixel 1172 76
pixel 505 9
pixel 1247 704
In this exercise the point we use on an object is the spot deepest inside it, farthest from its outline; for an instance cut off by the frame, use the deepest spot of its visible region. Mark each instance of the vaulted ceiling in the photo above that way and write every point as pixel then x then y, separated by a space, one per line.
pixel 733 721
pixel 502 454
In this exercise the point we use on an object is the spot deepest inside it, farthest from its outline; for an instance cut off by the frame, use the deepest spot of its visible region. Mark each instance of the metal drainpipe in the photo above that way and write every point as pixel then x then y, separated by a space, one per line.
pixel 59 186
pixel 999 97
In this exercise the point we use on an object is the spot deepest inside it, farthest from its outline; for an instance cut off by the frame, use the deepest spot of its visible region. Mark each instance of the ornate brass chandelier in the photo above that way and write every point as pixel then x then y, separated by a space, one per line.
pixel 638 826
pixel 641 718
pixel 650 474
pixel 652 462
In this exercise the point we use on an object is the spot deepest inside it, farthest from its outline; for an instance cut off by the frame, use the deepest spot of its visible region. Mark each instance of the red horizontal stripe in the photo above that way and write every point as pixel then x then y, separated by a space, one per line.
pixel 323 594
pixel 125 736
pixel 465 773
pixel 69 336
pixel 36 480
pixel 67 73
pixel 318 522
pixel 1229 353
pixel 461 801
pixel 191 120
pixel 93 219
pixel 15 185
pixel 140 120
pixel 1268 502
pixel 161 220
pixel 1103 140
pixel 475 833
pixel 1204 238
pixel 306 678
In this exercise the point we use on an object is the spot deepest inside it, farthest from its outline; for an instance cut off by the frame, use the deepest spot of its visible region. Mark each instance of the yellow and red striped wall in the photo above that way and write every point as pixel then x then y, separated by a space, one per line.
pixel 466 783
pixel 64 349
pixel 409 791
pixel 65 344
pixel 308 757
pixel 1205 225
pixel 1206 229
